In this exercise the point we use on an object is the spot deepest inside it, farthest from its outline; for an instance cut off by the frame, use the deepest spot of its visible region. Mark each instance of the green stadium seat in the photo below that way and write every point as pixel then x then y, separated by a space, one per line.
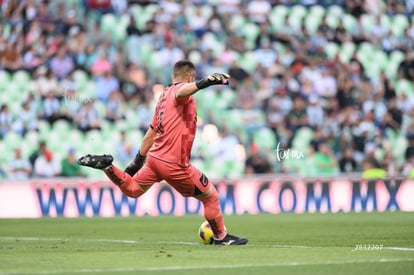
pixel 15 107
pixel 108 22
pixel 346 52
pixel 81 78
pixel 399 147
pixel 194 56
pixel 88 92
pixel 143 14
pixel 317 11
pixel 332 20
pixel 5 79
pixel 349 22
pixel 404 86
pixel 237 22
pixel 226 98
pixel 76 137
pixel 12 140
pixel 265 139
pixel 381 59
pixel 248 61
pixel 280 11
pixel 234 120
pixel 251 31
pixel 399 23
pixel 21 79
pixel 368 21
pixel 295 21
pixel 62 126
pixel 277 17
pixel 366 50
pixel 302 138
pixel 298 11
pixel 331 49
pixel 386 21
pixel 312 22
pixel 237 170
pixel 336 11
pixel 135 137
pixel 32 137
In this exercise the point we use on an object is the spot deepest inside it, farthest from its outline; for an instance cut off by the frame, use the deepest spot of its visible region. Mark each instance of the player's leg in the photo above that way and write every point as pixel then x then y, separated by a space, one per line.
pixel 130 186
pixel 190 182
pixel 212 211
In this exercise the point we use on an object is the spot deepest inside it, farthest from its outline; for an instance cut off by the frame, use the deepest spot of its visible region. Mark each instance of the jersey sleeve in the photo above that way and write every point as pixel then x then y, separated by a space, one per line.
pixel 180 101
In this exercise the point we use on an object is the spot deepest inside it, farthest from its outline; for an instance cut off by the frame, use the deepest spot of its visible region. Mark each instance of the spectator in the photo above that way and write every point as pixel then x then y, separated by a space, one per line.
pixel 372 169
pixel 19 168
pixel 247 99
pixel 393 118
pixel 114 107
pixel 265 55
pixel 144 114
pixel 257 163
pixel 44 81
pixel 52 109
pixel 27 120
pixel 315 112
pixel 325 161
pixel 102 66
pixel 409 151
pixel 318 139
pixel 297 116
pixel 10 57
pixel 42 148
pixel 105 85
pixel 347 164
pixel 62 64
pixel 198 22
pixel 6 120
pixel 225 148
pixel 125 150
pixel 70 167
pixel 46 166
pixel 258 10
pixel 406 67
pixel 136 83
pixel 88 118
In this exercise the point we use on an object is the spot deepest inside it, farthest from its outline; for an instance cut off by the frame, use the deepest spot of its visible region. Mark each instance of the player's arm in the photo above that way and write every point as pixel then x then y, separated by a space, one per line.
pixel 191 88
pixel 147 141
pixel 139 159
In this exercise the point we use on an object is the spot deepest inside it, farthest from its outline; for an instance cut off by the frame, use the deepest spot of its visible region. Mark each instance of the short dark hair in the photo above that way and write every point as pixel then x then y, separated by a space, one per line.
pixel 183 68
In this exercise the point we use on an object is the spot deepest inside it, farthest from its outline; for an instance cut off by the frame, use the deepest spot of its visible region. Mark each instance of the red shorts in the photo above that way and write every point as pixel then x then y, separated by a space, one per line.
pixel 189 181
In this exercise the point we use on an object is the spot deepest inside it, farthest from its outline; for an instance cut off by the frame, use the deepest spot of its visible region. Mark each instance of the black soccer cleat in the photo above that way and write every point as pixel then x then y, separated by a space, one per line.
pixel 230 240
pixel 96 161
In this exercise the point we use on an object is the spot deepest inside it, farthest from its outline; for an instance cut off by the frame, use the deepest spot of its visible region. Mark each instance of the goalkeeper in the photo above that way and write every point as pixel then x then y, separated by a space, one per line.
pixel 165 151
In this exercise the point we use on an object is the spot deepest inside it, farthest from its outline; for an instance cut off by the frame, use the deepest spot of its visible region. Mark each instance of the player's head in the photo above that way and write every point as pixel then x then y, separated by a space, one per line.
pixel 184 71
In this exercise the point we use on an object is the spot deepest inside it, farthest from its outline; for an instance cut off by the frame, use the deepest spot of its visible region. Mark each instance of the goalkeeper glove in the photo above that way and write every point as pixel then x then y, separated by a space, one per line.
pixel 135 165
pixel 213 79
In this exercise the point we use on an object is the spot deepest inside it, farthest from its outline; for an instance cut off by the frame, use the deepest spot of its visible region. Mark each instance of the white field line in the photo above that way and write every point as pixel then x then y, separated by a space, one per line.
pixel 207 267
pixel 9 238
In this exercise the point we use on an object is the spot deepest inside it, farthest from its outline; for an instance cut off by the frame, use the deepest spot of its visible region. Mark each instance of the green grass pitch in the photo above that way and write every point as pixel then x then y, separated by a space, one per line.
pixel 279 244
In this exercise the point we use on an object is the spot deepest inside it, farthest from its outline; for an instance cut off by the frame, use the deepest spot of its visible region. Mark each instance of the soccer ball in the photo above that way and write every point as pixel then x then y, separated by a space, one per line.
pixel 206 233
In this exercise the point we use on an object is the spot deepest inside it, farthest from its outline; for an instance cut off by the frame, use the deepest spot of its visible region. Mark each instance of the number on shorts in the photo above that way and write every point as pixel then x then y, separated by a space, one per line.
pixel 203 180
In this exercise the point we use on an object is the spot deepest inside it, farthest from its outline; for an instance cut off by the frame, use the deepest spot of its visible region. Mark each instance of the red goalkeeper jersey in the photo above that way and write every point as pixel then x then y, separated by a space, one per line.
pixel 175 122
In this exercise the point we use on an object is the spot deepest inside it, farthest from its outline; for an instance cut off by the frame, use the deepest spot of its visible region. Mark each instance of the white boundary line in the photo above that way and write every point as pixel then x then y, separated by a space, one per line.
pixel 231 266
pixel 9 238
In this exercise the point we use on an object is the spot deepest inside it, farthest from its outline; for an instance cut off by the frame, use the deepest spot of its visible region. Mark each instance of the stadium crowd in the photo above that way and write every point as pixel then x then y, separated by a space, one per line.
pixel 300 72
